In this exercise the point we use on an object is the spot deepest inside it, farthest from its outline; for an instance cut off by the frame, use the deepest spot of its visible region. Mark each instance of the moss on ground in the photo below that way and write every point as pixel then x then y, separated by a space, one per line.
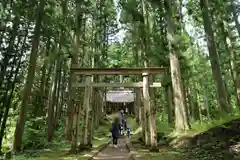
pixel 53 155
pixel 59 149
pixel 206 141
pixel 211 143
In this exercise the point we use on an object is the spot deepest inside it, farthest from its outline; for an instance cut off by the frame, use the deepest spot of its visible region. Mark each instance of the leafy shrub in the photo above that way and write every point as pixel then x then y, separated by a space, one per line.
pixel 162 124
pixel 35 134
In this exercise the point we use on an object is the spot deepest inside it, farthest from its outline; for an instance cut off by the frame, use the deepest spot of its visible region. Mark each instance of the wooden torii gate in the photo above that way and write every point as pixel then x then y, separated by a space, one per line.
pixel 145 72
pixel 88 72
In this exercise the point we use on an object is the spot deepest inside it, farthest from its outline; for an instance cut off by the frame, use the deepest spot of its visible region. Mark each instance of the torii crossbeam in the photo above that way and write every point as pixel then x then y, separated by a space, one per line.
pixel 116 71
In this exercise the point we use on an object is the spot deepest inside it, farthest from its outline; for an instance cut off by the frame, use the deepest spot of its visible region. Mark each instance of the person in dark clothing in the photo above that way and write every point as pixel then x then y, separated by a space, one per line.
pixel 125 125
pixel 115 131
pixel 121 117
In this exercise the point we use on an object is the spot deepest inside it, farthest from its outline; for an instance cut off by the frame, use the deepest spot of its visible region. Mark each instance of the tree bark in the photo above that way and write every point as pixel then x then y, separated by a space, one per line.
pixel 181 120
pixel 214 59
pixel 17 143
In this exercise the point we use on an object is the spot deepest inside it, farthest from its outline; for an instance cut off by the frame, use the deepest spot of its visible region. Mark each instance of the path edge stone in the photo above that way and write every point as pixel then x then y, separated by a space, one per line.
pixel 99 149
pixel 132 151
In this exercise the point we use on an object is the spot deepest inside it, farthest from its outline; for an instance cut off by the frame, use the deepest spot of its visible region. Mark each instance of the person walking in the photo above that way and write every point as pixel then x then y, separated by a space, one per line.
pixel 115 131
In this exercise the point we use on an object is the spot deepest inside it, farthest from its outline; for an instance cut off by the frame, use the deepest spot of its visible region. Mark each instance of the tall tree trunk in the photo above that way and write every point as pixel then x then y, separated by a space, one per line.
pixel 62 92
pixel 181 120
pixel 232 61
pixel 75 128
pixel 39 110
pixel 149 106
pixel 137 104
pixel 169 98
pixel 86 106
pixel 214 59
pixel 53 100
pixel 28 84
pixel 58 95
pixel 8 97
pixel 235 17
pixel 11 85
pixel 70 107
pixel 73 78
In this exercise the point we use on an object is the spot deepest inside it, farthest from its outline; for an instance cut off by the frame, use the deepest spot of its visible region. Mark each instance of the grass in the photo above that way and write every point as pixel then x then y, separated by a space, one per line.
pixel 166 153
pixel 142 151
pixel 54 155
pixel 62 153
pixel 59 150
pixel 161 156
pixel 200 127
pixel 210 151
pixel 133 125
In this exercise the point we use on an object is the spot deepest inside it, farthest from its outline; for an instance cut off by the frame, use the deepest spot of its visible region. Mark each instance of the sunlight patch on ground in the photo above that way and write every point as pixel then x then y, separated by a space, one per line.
pixel 99 139
pixel 100 142
pixel 138 130
pixel 87 155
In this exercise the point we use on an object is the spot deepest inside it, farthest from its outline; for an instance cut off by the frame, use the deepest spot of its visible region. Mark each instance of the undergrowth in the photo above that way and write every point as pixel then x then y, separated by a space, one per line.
pixel 58 149
pixel 210 151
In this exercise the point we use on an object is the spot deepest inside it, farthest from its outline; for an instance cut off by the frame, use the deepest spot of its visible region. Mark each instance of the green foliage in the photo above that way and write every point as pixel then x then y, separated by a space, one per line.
pixel 35 134
pixel 145 37
pixel 201 126
pixel 59 148
pixel 162 124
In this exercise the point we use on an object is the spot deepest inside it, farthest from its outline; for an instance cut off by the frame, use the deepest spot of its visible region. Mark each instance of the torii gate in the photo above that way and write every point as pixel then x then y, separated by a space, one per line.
pixel 145 72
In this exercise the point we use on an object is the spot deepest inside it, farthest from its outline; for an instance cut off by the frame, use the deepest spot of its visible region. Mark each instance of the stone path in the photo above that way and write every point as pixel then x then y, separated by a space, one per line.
pixel 111 153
